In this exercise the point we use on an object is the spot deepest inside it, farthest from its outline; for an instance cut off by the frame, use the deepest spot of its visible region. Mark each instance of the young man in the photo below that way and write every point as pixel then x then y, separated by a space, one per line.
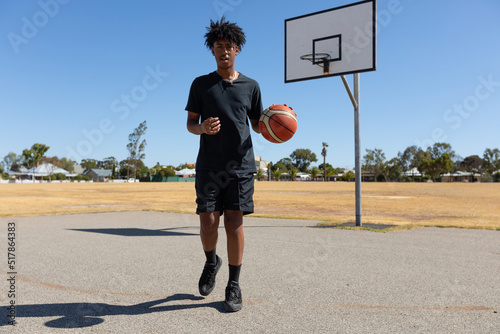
pixel 219 106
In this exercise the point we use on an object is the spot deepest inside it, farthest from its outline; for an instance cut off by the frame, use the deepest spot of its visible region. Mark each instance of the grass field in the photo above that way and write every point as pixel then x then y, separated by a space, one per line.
pixel 406 204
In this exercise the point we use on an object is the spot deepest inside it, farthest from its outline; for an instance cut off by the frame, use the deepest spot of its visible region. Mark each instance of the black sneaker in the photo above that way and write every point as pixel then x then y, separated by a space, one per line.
pixel 233 300
pixel 207 279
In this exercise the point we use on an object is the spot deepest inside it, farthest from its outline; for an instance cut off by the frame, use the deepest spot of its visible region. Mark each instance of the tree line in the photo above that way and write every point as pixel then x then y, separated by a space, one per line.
pixel 431 163
pixel 132 166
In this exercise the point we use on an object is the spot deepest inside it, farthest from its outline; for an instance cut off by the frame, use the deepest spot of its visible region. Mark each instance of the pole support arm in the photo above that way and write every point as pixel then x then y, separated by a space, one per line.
pixel 351 96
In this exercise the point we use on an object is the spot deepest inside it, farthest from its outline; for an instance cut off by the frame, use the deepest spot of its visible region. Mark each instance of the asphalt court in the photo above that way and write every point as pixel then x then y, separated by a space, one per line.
pixel 137 272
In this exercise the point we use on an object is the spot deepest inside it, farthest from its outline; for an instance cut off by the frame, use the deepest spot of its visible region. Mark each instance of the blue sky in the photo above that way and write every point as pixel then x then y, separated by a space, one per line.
pixel 68 70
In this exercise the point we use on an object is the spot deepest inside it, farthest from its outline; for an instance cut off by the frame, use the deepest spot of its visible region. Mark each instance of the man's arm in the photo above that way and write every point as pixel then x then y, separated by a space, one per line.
pixel 255 125
pixel 210 126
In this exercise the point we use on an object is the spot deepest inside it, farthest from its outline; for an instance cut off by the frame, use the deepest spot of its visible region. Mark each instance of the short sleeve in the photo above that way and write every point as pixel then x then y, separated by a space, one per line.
pixel 256 107
pixel 194 101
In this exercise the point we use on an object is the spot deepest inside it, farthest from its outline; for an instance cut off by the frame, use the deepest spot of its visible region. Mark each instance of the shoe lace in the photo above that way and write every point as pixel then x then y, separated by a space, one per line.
pixel 233 292
pixel 208 273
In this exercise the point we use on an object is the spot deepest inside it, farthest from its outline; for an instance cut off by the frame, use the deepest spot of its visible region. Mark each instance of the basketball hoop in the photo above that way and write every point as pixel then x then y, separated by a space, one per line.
pixel 320 59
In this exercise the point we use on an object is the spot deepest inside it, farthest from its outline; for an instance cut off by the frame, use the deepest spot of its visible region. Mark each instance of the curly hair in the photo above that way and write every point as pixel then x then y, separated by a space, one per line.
pixel 224 30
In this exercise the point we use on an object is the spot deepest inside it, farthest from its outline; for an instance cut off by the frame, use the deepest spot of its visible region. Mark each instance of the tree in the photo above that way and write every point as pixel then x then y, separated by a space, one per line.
pixel 279 166
pixel 67 164
pixel 322 166
pixel 410 158
pixel 374 162
pixel 394 169
pixel 285 164
pixel 277 174
pixel 12 162
pixel 293 172
pixel 269 170
pixel 406 157
pixel 437 160
pixel 330 171
pixel 347 176
pixel 491 159
pixel 260 174
pixel 155 169
pixel 3 176
pixel 439 149
pixel 109 163
pixel 167 171
pixel 90 163
pixel 123 172
pixel 315 171
pixel 302 158
pixel 141 170
pixel 472 163
pixel 323 153
pixel 136 147
pixel 33 156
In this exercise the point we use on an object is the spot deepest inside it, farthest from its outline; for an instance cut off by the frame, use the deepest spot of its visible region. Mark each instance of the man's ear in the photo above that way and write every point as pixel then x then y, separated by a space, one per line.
pixel 237 51
pixel 213 53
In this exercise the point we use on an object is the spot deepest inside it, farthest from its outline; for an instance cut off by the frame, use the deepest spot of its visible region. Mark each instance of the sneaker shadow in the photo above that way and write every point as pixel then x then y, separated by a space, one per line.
pixel 78 315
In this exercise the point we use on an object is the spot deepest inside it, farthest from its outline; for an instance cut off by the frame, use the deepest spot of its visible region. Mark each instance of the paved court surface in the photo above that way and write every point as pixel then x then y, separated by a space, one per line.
pixel 137 272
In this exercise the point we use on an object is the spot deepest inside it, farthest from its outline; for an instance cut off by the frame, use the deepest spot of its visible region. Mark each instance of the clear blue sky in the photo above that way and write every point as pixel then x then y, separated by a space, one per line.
pixel 65 69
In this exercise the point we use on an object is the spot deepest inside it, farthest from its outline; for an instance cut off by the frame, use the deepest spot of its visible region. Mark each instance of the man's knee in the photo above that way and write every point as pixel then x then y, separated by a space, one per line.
pixel 209 222
pixel 233 220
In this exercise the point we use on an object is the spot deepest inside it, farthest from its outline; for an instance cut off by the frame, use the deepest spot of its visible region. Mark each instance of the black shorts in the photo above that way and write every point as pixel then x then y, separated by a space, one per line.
pixel 219 191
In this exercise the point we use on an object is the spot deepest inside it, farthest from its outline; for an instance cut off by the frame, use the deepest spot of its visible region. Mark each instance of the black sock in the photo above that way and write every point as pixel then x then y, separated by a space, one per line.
pixel 211 256
pixel 234 273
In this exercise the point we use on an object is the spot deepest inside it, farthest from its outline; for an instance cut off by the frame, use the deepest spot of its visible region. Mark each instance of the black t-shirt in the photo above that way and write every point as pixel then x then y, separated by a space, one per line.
pixel 230 149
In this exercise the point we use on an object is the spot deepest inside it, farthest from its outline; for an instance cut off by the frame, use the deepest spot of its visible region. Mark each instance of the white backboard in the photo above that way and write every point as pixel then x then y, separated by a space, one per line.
pixel 332 42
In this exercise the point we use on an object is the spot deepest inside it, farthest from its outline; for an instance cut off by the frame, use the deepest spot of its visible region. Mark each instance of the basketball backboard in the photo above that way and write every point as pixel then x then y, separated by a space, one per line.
pixel 332 42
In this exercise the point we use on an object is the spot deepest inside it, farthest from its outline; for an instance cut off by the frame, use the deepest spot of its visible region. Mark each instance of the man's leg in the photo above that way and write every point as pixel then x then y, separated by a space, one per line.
pixel 233 223
pixel 209 224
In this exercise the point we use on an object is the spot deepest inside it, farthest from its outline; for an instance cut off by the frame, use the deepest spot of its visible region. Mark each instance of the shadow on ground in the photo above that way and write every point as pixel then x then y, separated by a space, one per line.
pixel 364 226
pixel 77 315
pixel 138 232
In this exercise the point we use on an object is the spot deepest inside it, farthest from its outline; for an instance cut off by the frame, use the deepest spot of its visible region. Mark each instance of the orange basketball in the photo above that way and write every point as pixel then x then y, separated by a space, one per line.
pixel 278 123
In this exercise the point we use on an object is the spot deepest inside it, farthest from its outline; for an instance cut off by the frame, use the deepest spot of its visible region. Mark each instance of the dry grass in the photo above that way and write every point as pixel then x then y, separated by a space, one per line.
pixel 414 204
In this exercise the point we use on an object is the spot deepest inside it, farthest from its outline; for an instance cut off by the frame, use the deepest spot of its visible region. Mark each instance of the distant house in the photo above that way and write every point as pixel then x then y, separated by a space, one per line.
pixel 261 164
pixel 412 172
pixel 186 172
pixel 461 177
pixel 43 170
pixel 99 175
pixel 303 176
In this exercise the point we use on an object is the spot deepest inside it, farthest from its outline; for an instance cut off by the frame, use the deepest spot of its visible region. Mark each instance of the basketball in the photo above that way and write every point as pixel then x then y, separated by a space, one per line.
pixel 278 123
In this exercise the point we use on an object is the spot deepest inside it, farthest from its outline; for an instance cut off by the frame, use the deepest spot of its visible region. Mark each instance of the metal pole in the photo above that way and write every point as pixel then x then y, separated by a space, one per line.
pixel 357 150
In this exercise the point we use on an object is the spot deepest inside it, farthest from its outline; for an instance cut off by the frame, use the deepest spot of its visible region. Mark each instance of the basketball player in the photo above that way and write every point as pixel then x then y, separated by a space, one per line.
pixel 219 107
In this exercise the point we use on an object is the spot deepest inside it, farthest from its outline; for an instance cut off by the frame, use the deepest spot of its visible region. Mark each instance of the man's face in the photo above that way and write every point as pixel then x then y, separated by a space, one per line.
pixel 224 52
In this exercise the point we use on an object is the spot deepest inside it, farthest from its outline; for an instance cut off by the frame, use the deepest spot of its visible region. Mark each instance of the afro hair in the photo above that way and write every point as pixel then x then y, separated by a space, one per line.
pixel 224 30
